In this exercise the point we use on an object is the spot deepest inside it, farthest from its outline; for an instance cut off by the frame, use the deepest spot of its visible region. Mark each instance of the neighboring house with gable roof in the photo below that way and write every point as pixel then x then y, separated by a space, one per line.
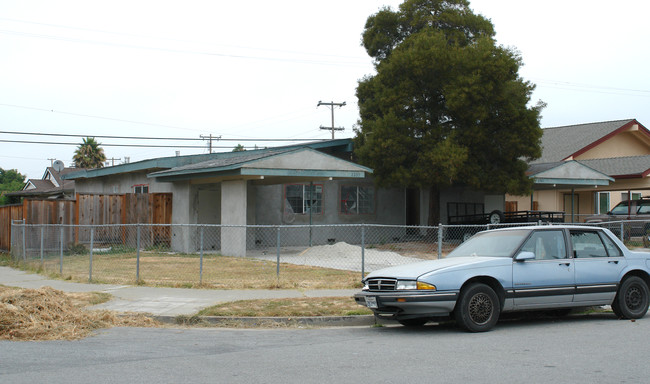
pixel 590 167
pixel 50 186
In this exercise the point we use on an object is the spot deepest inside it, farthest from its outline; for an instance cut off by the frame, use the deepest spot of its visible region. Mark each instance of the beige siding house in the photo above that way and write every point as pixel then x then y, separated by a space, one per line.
pixel 617 150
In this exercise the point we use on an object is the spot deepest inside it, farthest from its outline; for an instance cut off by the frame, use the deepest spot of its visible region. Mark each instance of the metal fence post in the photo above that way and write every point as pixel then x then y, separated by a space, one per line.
pixel 440 229
pixel 24 242
pixel 61 253
pixel 363 251
pixel 90 267
pixel 42 240
pixel 622 234
pixel 137 254
pixel 201 259
pixel 278 254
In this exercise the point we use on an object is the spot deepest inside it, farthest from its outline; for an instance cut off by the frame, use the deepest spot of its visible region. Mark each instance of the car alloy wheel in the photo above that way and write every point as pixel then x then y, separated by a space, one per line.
pixel 478 308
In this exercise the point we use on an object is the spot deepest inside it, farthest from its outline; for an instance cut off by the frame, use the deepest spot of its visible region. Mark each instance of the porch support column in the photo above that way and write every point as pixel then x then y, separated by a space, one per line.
pixel 233 212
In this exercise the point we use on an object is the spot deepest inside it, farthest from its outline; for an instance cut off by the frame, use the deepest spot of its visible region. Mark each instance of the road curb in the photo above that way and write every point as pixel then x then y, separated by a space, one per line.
pixel 316 321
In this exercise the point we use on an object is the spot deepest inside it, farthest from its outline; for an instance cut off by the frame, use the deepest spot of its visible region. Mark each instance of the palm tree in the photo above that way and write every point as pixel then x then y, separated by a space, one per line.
pixel 89 154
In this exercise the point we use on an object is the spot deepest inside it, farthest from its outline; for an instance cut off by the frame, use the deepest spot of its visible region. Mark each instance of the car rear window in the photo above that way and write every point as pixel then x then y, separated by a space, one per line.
pixel 644 208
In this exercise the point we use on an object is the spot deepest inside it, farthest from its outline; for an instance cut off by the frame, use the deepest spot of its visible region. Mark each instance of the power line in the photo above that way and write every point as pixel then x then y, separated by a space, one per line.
pixel 184 51
pixel 202 137
pixel 130 35
pixel 114 145
pixel 94 117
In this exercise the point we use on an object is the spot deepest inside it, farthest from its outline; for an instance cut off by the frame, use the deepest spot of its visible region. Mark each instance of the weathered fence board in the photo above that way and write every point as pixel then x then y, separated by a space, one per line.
pixel 7 214
pixel 92 209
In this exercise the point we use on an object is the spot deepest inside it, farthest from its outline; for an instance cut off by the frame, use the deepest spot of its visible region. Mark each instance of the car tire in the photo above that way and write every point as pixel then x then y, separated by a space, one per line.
pixel 496 217
pixel 418 322
pixel 631 301
pixel 478 309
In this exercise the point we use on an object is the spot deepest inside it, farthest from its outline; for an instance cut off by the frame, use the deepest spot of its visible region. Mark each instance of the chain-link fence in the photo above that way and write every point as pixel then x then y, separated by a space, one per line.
pixel 256 256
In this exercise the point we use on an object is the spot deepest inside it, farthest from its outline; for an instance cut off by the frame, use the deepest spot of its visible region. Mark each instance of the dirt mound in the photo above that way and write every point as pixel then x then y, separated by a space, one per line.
pixel 49 314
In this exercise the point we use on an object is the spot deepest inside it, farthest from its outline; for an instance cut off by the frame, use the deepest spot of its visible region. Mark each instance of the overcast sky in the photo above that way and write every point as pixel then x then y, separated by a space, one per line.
pixel 257 69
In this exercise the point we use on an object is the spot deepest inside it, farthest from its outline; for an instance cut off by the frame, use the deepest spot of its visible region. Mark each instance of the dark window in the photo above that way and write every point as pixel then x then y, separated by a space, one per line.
pixel 141 188
pixel 357 200
pixel 587 244
pixel 301 198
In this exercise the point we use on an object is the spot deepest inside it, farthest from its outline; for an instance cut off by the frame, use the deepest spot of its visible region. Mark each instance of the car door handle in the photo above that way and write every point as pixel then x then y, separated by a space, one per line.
pixel 613 261
pixel 565 264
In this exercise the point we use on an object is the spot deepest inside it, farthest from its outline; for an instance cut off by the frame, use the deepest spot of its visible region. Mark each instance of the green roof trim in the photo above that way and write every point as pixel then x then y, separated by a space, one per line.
pixel 266 164
pixel 168 163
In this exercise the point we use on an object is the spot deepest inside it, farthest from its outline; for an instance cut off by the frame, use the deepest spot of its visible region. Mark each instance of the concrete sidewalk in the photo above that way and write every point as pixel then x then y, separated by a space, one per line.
pixel 163 302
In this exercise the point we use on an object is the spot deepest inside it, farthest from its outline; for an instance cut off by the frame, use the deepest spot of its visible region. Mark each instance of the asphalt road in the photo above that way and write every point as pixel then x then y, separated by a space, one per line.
pixel 584 349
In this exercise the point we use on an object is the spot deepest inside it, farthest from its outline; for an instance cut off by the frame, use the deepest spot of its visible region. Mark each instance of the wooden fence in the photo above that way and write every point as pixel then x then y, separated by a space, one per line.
pixel 89 209
pixel 7 214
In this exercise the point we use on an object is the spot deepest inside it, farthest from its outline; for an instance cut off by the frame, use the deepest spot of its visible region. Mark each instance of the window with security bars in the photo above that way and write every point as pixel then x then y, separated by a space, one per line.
pixel 302 198
pixel 357 200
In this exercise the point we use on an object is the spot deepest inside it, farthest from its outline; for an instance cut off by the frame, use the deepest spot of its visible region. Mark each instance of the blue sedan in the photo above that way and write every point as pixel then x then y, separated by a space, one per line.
pixel 514 269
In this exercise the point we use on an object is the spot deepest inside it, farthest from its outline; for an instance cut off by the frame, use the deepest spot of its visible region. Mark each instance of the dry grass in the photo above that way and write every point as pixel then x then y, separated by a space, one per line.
pixel 182 271
pixel 306 306
pixel 49 314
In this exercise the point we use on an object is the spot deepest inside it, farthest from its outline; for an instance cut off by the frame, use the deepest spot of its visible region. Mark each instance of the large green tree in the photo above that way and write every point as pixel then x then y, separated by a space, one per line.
pixel 10 181
pixel 446 105
pixel 89 154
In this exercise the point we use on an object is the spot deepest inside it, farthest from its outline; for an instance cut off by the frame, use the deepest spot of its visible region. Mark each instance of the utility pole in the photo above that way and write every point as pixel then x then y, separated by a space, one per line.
pixel 51 162
pixel 332 105
pixel 209 138
pixel 112 159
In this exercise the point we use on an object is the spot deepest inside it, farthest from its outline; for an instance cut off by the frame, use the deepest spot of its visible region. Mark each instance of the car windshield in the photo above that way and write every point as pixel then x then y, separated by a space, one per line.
pixel 492 244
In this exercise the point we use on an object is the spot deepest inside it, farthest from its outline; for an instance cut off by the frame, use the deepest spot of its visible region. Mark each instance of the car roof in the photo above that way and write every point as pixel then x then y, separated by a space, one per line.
pixel 553 226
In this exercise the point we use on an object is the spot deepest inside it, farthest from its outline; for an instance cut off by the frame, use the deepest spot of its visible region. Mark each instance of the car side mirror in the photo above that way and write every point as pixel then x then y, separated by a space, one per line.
pixel 525 255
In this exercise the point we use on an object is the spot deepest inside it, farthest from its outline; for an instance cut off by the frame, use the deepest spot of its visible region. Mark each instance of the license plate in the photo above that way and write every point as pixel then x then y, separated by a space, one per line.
pixel 371 302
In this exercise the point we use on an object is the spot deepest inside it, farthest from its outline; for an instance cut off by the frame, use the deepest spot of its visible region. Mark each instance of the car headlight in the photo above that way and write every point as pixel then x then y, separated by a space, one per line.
pixel 365 287
pixel 406 284
pixel 414 285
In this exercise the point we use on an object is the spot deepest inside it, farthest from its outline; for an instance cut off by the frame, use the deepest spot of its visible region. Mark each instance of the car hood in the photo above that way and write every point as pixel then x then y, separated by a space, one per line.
pixel 413 271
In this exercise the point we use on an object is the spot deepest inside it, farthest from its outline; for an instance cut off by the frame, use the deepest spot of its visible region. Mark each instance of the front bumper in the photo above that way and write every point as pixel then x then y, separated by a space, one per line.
pixel 410 304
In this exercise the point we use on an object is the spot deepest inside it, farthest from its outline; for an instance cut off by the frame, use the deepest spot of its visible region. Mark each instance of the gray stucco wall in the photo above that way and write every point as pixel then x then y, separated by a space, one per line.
pixel 121 183
pixel 270 204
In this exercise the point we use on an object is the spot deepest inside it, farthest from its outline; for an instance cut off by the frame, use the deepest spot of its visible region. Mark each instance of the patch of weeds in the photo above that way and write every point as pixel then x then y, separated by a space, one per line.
pixel 77 249
pixel 358 312
pixel 5 259
pixel 157 248
pixel 119 248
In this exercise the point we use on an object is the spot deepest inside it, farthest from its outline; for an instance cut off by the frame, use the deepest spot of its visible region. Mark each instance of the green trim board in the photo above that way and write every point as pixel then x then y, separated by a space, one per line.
pixel 299 162
pixel 171 162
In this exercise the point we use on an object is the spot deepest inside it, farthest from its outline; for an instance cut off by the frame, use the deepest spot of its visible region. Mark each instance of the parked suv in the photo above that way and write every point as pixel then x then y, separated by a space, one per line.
pixel 637 210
